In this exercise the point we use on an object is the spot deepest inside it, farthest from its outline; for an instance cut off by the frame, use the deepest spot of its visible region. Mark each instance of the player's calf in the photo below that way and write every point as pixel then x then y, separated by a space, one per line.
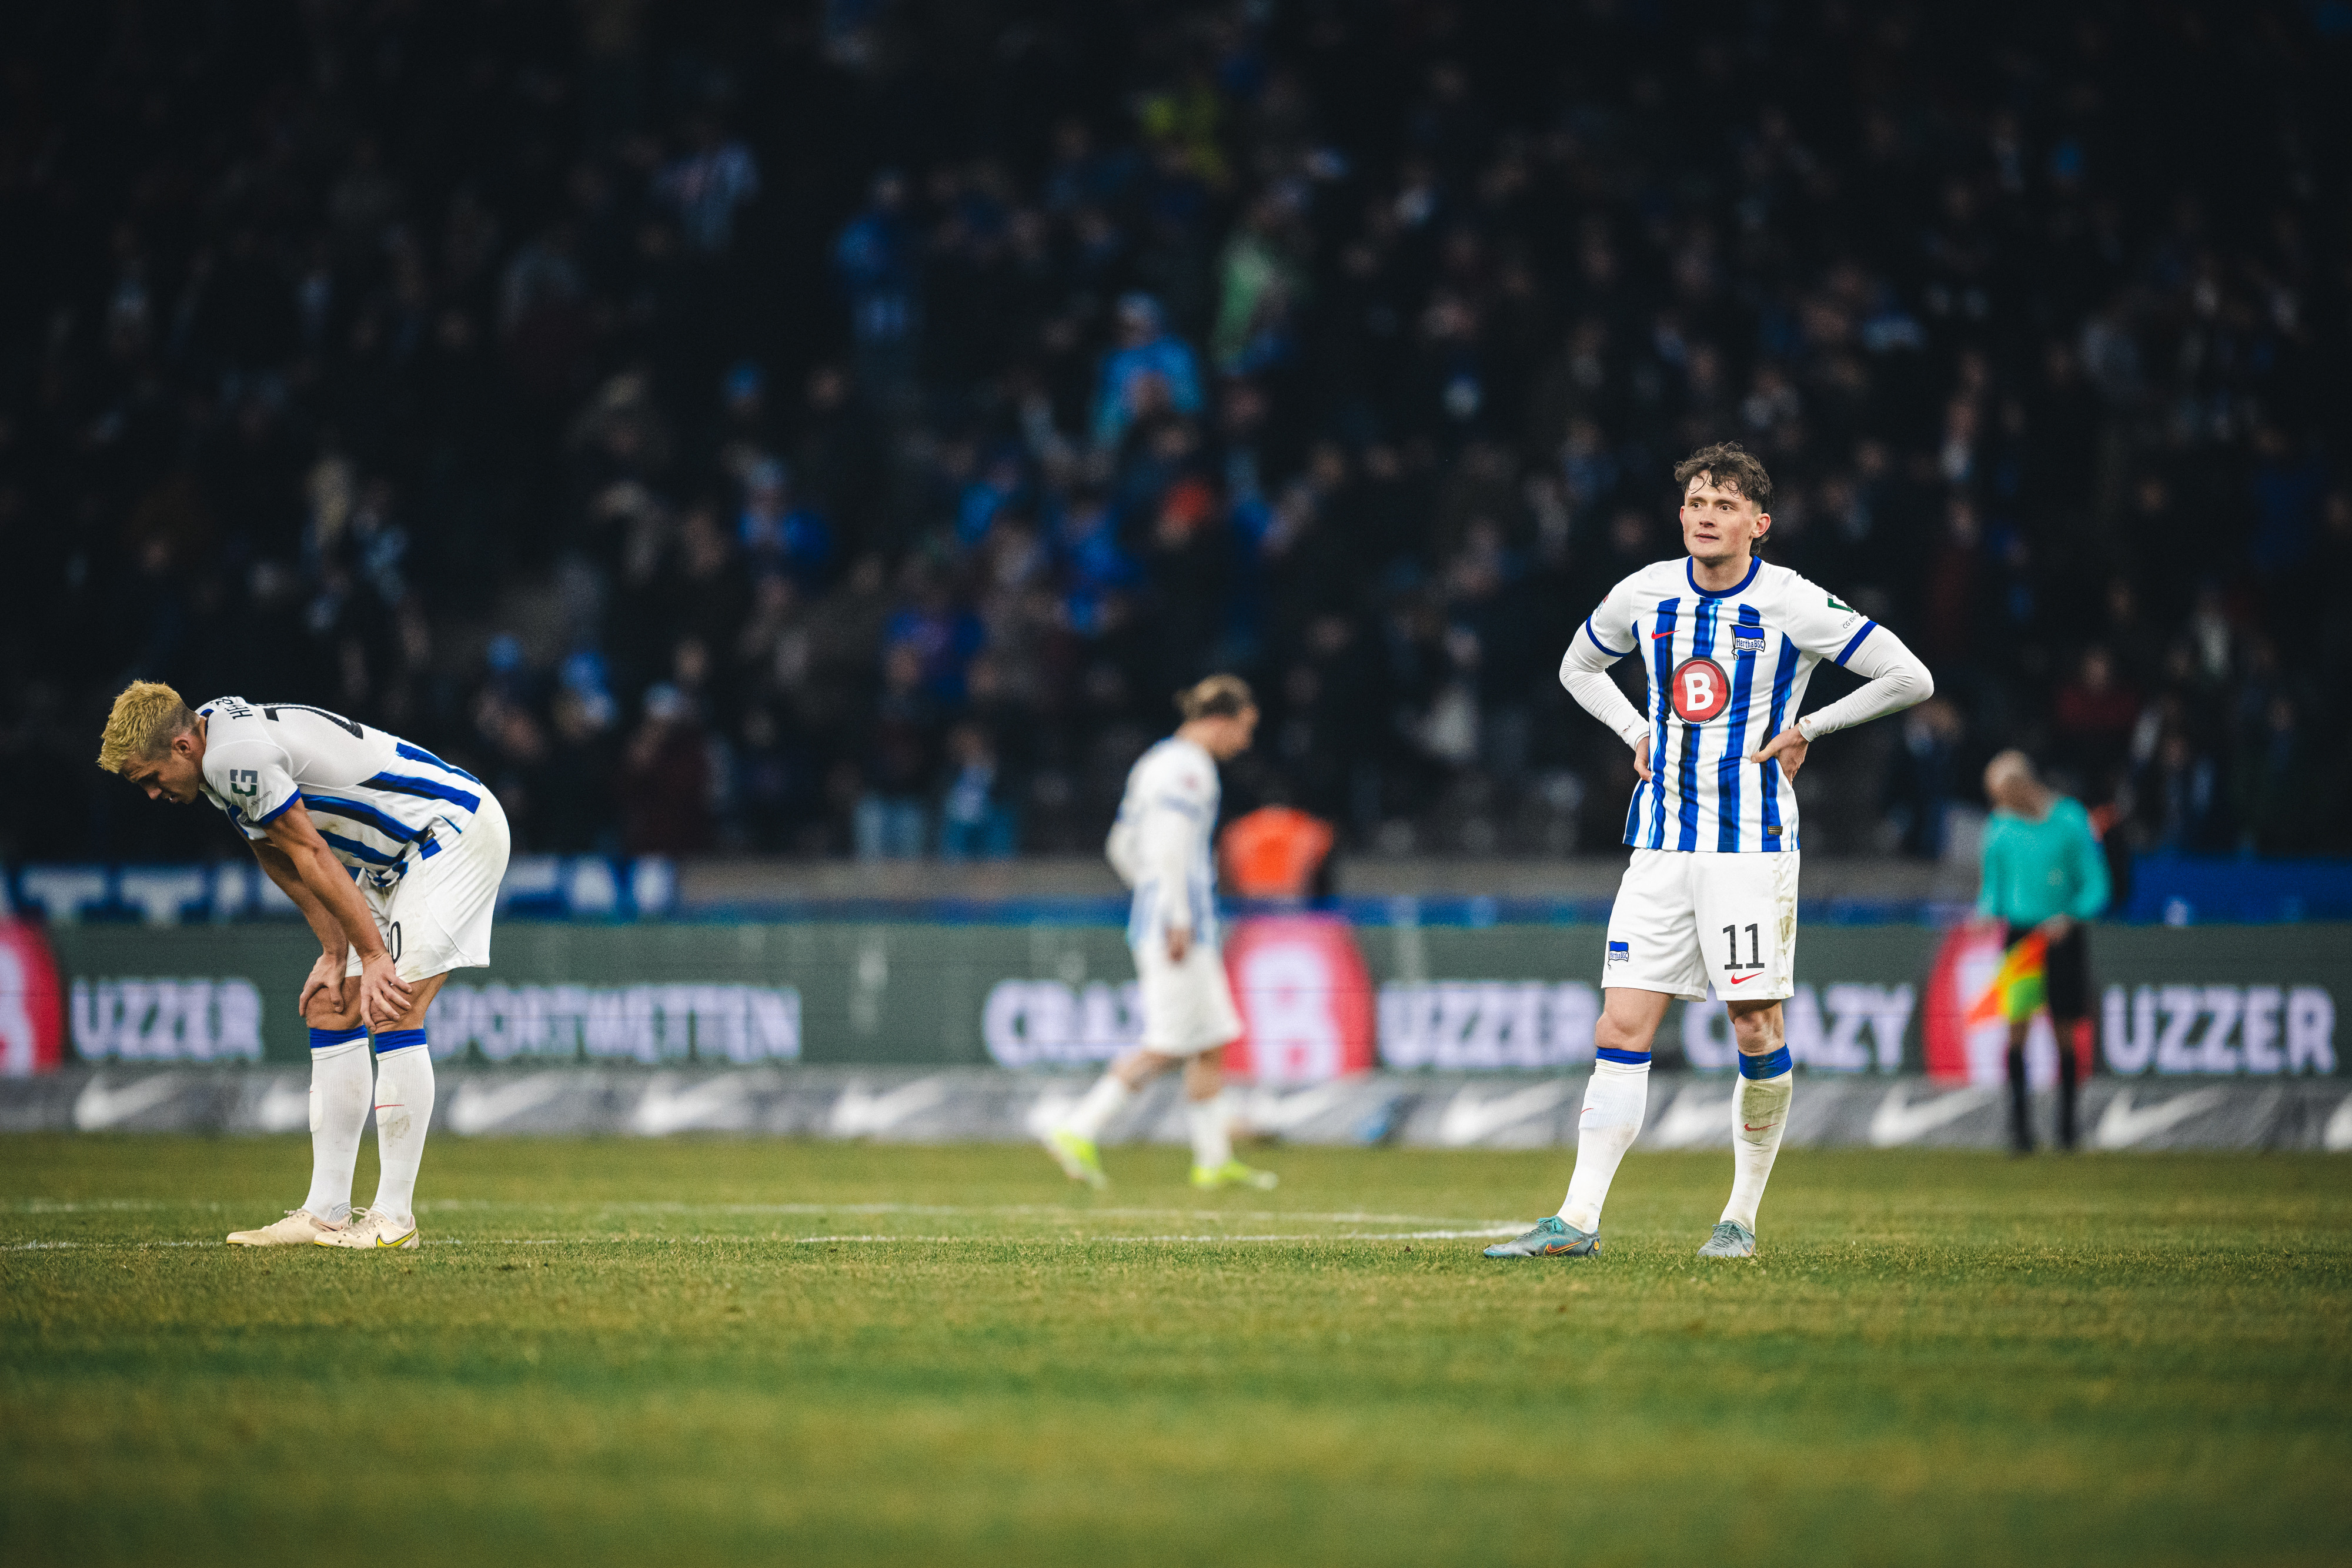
pixel 1759 1116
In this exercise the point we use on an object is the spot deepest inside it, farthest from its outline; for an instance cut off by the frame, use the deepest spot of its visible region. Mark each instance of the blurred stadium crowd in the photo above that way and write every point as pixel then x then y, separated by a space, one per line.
pixel 836 427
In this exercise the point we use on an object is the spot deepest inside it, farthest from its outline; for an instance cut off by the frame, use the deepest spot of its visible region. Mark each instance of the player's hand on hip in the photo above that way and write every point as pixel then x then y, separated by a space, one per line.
pixel 326 976
pixel 1180 942
pixel 2054 929
pixel 1642 759
pixel 1788 747
pixel 383 995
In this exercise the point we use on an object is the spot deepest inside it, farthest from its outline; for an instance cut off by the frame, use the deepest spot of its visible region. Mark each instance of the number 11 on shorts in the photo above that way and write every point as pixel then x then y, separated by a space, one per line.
pixel 1731 947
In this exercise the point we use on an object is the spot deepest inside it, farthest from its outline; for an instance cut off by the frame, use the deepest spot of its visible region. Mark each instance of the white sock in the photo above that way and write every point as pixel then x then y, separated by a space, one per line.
pixel 341 1079
pixel 1759 1114
pixel 1107 1099
pixel 404 1109
pixel 1212 1143
pixel 1615 1104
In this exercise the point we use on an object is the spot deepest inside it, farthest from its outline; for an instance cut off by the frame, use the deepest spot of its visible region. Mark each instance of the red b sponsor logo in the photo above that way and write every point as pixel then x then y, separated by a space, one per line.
pixel 1305 997
pixel 32 1015
pixel 1699 690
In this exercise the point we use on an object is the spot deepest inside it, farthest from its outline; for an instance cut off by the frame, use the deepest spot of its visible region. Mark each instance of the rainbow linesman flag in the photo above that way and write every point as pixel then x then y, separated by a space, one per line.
pixel 2019 988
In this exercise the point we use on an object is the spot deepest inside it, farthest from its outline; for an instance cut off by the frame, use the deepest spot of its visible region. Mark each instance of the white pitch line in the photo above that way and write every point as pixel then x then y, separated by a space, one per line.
pixel 935 1210
pixel 102 1204
pixel 823 1240
pixel 98 1246
pixel 588 1205
pixel 1054 1240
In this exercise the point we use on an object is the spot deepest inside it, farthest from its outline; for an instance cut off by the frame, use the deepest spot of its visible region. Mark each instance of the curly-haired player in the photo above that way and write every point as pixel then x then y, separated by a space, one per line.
pixel 1710 897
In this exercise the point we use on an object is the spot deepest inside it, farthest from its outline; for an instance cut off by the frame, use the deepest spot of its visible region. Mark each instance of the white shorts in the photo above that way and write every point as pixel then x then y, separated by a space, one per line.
pixel 1187 1007
pixel 436 917
pixel 1685 919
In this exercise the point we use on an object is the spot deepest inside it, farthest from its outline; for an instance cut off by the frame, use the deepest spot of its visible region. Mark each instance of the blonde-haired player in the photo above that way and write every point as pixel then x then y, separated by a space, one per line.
pixel 1160 847
pixel 395 859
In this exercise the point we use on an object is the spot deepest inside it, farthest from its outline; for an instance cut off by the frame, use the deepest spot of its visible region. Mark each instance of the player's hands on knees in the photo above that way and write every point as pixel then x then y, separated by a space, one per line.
pixel 1642 759
pixel 326 978
pixel 1790 746
pixel 1180 942
pixel 383 995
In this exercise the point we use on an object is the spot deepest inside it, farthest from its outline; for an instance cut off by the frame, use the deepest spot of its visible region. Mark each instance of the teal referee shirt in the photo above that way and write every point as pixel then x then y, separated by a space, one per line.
pixel 2035 869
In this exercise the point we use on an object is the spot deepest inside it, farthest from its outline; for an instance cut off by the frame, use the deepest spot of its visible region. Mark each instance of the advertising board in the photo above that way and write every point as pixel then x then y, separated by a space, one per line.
pixel 1321 999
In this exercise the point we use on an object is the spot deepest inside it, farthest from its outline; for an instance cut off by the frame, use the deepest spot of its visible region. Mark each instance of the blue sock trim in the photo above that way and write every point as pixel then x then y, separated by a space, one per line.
pixel 390 1040
pixel 1627 1057
pixel 322 1038
pixel 1770 1066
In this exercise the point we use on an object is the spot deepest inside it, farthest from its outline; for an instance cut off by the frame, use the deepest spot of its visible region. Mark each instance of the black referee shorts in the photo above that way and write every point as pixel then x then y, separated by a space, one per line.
pixel 2067 976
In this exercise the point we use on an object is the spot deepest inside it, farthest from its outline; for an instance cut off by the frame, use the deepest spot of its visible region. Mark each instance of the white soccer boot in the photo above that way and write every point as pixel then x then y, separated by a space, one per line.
pixel 298 1228
pixel 373 1230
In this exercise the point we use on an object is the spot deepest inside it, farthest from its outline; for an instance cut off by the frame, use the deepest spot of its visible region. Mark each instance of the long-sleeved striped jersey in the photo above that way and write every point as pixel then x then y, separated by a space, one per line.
pixel 1162 843
pixel 375 797
pixel 1727 671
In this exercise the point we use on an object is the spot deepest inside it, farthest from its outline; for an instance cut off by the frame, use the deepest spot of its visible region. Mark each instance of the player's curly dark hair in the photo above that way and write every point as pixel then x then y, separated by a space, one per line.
pixel 1731 466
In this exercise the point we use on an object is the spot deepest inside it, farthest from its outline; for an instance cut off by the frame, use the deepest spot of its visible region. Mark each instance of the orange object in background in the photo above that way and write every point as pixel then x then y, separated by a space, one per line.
pixel 1273 852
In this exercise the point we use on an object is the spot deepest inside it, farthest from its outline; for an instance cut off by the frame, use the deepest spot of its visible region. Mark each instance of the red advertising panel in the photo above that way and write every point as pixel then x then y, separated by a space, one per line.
pixel 32 1014
pixel 1306 999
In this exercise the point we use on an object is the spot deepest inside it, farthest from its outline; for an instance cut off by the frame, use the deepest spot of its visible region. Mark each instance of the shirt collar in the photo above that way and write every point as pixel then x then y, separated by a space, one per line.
pixel 1690 573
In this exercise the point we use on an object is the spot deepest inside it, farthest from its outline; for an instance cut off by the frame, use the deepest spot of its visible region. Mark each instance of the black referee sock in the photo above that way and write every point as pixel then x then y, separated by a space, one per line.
pixel 2069 1067
pixel 2020 1124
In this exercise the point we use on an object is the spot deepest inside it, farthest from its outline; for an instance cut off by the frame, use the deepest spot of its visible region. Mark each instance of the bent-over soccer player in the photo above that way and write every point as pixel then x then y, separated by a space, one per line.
pixel 1728 643
pixel 395 858
pixel 1160 847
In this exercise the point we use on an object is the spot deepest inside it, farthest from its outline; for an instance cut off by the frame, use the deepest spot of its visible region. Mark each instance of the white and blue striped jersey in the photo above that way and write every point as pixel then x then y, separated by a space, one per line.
pixel 375 798
pixel 1727 672
pixel 1161 843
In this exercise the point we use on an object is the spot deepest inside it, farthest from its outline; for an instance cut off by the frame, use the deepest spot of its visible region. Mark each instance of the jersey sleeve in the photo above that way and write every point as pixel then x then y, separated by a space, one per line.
pixel 1990 877
pixel 1610 633
pixel 1119 848
pixel 254 780
pixel 1584 669
pixel 2091 888
pixel 1828 628
pixel 1178 800
pixel 1821 623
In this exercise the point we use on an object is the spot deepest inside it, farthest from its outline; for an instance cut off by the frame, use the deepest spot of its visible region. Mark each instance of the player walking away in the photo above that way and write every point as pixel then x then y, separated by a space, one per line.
pixel 395 858
pixel 1728 643
pixel 1159 846
pixel 2043 872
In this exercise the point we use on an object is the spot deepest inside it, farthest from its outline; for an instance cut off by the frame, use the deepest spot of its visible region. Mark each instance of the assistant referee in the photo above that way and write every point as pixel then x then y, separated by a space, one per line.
pixel 2043 870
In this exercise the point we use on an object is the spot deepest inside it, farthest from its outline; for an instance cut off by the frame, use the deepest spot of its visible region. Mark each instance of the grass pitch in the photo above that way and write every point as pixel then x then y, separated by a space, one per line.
pixel 684 1350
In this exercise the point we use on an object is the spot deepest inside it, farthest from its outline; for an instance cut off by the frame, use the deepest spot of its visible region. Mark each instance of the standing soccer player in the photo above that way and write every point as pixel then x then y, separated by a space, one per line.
pixel 1728 643
pixel 395 859
pixel 1160 847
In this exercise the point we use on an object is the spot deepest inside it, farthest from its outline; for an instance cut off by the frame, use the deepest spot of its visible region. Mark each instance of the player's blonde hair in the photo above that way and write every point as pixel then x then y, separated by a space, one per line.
pixel 1218 696
pixel 145 717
